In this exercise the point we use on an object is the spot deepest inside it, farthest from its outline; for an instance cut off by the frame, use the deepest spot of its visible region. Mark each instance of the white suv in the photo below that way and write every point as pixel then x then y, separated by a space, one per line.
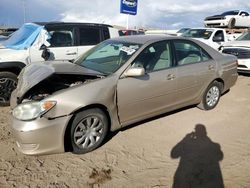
pixel 241 49
pixel 36 42
pixel 230 19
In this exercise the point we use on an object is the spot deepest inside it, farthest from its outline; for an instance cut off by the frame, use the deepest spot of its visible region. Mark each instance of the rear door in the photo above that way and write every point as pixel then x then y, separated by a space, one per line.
pixel 195 70
pixel 63 43
pixel 153 93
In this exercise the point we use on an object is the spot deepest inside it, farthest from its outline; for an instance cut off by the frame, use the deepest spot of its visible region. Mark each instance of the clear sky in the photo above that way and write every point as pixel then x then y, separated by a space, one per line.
pixel 163 14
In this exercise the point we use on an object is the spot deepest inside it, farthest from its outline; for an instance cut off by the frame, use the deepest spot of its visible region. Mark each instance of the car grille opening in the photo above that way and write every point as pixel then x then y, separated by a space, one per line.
pixel 213 24
pixel 239 53
pixel 214 18
pixel 242 66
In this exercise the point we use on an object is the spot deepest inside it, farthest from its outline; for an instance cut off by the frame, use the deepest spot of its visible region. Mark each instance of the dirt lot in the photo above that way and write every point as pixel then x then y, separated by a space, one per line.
pixel 141 156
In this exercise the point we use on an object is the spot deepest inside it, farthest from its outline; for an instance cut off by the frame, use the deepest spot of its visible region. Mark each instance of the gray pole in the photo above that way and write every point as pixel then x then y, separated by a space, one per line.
pixel 24 11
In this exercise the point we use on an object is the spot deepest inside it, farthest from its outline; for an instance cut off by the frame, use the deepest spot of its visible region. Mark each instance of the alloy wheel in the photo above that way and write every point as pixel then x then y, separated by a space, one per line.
pixel 88 131
pixel 212 96
pixel 7 85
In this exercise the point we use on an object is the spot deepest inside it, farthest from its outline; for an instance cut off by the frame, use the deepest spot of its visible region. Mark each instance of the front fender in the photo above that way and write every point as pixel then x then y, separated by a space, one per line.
pixel 102 91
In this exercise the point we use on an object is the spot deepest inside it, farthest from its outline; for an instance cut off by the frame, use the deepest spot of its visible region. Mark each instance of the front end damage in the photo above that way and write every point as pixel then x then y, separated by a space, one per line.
pixel 38 81
pixel 35 133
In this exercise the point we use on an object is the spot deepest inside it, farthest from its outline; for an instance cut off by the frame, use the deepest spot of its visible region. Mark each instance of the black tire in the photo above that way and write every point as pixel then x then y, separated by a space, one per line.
pixel 231 23
pixel 8 82
pixel 81 128
pixel 208 103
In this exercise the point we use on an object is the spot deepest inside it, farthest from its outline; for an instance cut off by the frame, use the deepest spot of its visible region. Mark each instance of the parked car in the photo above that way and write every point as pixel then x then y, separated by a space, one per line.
pixel 213 37
pixel 241 49
pixel 230 19
pixel 35 42
pixel 126 32
pixel 119 82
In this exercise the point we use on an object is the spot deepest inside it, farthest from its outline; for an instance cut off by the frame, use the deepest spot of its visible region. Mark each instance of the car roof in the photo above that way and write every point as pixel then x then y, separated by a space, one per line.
pixel 71 24
pixel 142 39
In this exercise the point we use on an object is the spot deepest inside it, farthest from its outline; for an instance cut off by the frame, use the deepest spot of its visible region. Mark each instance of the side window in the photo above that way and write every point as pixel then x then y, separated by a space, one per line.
pixel 187 53
pixel 61 38
pixel 89 36
pixel 244 13
pixel 106 34
pixel 218 36
pixel 155 57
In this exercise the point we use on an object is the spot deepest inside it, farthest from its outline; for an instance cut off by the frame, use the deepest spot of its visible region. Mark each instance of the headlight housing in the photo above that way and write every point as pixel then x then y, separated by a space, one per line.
pixel 32 110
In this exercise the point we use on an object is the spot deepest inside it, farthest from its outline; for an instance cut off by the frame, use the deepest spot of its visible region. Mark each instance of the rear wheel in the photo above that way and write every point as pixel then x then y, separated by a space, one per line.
pixel 89 129
pixel 211 96
pixel 8 82
pixel 231 23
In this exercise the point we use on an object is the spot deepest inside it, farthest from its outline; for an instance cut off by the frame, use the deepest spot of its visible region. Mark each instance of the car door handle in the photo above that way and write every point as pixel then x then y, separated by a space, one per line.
pixel 71 53
pixel 170 77
pixel 211 67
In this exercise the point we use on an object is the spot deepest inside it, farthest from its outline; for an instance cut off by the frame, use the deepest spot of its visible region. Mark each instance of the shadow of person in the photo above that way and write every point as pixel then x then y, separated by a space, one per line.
pixel 199 161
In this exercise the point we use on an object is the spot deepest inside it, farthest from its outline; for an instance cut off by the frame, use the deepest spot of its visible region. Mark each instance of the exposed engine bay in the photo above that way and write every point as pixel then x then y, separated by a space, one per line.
pixel 54 83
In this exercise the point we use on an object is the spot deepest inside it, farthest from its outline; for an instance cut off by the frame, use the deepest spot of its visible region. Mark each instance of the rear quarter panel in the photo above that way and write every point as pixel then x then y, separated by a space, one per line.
pixel 226 66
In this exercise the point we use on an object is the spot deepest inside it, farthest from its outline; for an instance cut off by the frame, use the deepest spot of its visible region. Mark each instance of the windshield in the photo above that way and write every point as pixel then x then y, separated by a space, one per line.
pixel 198 33
pixel 236 12
pixel 182 30
pixel 108 56
pixel 244 36
pixel 23 37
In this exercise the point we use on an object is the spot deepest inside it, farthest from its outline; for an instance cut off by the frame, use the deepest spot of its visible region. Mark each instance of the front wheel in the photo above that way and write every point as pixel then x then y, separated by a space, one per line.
pixel 8 82
pixel 88 131
pixel 211 96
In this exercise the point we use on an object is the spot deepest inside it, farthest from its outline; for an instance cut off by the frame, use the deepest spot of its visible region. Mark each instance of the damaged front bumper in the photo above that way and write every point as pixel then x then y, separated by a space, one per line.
pixel 40 136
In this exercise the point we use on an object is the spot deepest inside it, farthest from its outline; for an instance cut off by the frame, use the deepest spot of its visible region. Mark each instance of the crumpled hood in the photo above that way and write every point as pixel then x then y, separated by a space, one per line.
pixel 239 43
pixel 34 73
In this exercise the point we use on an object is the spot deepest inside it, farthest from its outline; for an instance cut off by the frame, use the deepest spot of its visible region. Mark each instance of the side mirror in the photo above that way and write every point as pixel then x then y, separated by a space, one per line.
pixel 243 14
pixel 135 72
pixel 43 47
pixel 45 54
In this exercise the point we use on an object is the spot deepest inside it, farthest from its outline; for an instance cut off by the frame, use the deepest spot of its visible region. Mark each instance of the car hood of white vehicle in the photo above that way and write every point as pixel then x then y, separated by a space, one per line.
pixel 8 55
pixel 242 43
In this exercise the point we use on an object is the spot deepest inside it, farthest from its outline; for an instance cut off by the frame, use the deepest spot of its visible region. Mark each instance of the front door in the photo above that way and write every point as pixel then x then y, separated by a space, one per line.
pixel 153 93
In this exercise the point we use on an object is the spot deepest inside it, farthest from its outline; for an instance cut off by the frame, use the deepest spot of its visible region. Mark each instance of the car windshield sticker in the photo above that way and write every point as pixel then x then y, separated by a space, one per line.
pixel 128 50
pixel 134 47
